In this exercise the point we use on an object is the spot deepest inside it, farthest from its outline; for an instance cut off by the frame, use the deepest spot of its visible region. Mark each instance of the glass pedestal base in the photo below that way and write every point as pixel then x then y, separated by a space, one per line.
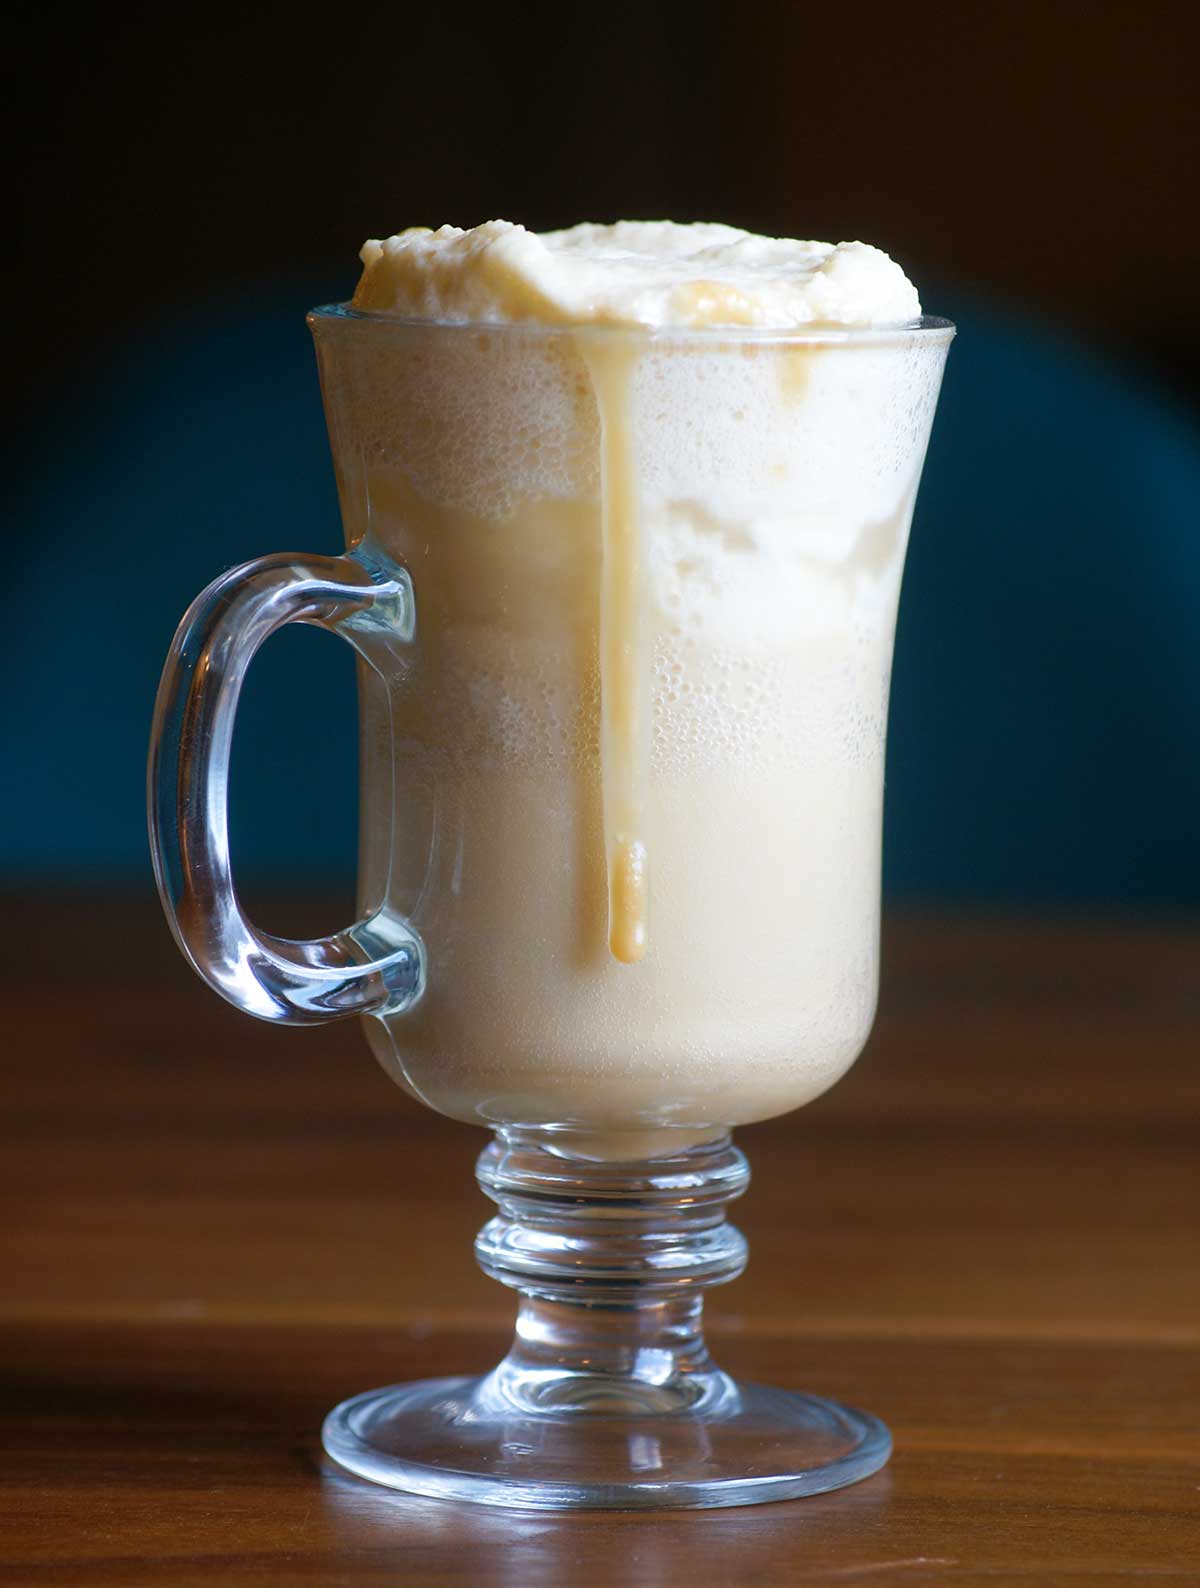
pixel 608 1397
pixel 447 1437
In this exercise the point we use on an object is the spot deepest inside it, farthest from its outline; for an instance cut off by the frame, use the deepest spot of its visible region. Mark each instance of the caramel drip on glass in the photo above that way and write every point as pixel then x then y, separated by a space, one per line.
pixel 625 699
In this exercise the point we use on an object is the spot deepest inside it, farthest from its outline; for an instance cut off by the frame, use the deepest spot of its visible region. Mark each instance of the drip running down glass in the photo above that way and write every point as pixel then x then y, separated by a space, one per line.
pixel 624 604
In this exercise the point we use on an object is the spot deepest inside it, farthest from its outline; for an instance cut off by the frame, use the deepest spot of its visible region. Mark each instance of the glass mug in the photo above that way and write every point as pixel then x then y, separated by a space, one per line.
pixel 624 604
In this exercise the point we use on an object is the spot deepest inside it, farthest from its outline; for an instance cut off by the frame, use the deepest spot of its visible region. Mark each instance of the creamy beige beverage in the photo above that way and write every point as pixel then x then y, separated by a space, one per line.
pixel 653 486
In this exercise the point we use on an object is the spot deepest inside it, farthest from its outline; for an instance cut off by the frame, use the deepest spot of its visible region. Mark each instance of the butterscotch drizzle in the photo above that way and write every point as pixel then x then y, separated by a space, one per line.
pixel 625 701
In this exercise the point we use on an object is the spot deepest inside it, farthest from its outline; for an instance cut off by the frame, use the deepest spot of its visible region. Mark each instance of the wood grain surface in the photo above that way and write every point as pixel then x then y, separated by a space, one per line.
pixel 988 1233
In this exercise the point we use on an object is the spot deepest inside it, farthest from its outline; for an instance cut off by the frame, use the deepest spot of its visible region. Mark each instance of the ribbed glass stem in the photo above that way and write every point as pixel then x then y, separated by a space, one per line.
pixel 611 1261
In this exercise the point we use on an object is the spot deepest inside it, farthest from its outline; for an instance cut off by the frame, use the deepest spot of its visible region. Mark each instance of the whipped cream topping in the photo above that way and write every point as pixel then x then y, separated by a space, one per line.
pixel 655 274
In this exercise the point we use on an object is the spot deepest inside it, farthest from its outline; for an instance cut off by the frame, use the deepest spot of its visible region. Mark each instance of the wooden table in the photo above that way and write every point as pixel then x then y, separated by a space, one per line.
pixel 988 1234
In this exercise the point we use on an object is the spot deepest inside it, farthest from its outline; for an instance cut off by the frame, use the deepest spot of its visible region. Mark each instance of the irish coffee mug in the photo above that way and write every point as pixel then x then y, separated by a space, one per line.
pixel 624 606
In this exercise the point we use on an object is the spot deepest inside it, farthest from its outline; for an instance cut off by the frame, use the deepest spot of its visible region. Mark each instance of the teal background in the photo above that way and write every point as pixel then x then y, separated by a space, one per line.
pixel 1044 745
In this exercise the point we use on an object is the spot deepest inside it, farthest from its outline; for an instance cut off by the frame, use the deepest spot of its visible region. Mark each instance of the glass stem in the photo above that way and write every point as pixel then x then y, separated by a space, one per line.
pixel 611 1261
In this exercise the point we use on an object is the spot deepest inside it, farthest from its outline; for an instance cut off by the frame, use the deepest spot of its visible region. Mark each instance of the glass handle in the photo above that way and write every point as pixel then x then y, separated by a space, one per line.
pixel 375 967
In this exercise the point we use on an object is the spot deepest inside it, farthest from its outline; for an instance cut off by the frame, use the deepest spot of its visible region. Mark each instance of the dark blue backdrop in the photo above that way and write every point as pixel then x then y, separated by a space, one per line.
pixel 1044 744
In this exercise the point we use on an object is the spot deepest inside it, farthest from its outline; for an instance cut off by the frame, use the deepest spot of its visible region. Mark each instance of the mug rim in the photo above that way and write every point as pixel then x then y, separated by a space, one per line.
pixel 929 326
